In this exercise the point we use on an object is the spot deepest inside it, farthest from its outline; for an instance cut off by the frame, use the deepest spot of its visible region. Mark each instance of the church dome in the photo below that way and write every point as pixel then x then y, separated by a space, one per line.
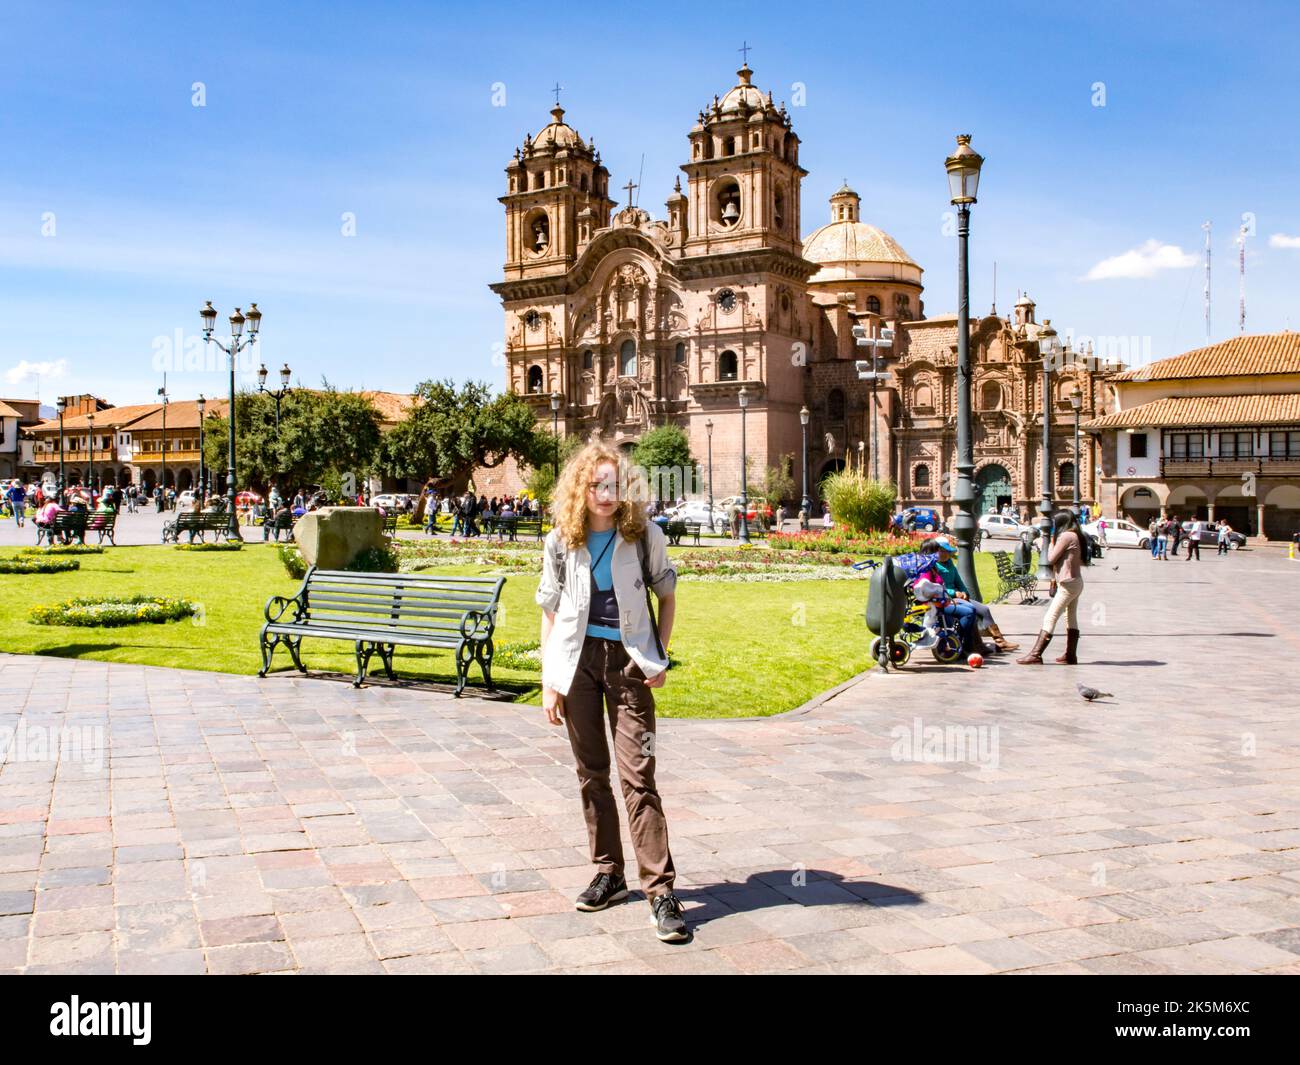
pixel 557 133
pixel 743 94
pixel 847 248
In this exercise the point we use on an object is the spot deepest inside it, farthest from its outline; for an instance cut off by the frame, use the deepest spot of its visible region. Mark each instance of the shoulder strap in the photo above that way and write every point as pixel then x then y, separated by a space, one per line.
pixel 642 552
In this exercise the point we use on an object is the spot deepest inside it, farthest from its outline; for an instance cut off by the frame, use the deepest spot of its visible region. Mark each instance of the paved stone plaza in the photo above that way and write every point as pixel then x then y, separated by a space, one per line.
pixel 297 825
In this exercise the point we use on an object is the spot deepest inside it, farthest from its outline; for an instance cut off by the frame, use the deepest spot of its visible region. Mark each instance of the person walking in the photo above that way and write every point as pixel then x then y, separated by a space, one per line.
pixel 1066 559
pixel 17 496
pixel 1153 536
pixel 1175 534
pixel 603 653
pixel 1194 541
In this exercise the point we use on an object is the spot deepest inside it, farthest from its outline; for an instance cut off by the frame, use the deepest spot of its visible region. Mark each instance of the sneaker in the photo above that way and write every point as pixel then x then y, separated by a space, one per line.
pixel 604 889
pixel 667 916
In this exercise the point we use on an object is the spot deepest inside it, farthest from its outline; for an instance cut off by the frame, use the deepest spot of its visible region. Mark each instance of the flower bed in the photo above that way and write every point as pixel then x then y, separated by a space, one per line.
pixel 842 541
pixel 110 612
pixel 526 656
pixel 216 545
pixel 64 549
pixel 38 565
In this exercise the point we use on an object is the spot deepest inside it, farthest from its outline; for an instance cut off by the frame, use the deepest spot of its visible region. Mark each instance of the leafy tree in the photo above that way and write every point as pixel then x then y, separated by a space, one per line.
pixel 778 480
pixel 541 478
pixel 665 452
pixel 447 434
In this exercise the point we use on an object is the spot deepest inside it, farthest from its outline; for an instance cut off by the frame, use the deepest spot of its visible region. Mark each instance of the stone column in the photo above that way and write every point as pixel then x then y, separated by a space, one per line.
pixel 1209 512
pixel 1259 511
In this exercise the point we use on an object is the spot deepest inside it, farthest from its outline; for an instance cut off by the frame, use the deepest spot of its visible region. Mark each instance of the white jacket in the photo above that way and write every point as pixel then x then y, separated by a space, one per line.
pixel 571 604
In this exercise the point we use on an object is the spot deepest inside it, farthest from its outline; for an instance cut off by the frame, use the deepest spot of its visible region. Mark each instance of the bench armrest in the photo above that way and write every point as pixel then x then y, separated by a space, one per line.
pixel 280 604
pixel 478 624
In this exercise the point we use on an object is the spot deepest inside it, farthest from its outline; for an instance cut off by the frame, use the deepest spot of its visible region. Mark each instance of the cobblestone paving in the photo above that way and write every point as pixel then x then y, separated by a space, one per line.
pixel 296 825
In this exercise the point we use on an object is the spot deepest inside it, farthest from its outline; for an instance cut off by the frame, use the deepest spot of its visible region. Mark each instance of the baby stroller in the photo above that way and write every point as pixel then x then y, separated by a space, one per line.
pixel 907 619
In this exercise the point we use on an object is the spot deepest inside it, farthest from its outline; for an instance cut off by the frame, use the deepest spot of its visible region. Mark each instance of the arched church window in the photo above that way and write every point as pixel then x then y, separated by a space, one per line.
pixel 873 304
pixel 902 304
pixel 627 359
pixel 586 359
pixel 835 406
pixel 728 366
pixel 991 395
pixel 778 208
pixel 538 232
pixel 921 479
pixel 1065 476
pixel 679 353
pixel 923 398
pixel 728 145
pixel 534 379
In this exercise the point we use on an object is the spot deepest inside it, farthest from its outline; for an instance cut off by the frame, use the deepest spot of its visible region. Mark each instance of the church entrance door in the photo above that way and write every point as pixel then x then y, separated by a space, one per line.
pixel 992 489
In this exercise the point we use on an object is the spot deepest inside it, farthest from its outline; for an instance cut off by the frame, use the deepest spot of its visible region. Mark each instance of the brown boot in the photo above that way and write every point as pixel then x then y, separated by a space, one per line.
pixel 1035 657
pixel 1003 643
pixel 1071 646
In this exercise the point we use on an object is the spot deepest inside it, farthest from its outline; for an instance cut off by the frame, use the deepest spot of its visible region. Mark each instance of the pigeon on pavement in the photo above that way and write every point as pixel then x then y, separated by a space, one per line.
pixel 1092 693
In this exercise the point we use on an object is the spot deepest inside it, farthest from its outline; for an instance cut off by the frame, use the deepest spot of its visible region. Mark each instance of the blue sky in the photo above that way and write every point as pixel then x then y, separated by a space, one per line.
pixel 123 206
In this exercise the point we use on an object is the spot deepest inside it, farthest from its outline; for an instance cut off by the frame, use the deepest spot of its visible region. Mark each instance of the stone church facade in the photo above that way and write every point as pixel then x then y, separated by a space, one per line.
pixel 637 322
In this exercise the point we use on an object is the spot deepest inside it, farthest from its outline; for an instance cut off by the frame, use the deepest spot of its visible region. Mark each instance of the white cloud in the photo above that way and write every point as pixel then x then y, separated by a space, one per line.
pixel 16 375
pixel 1281 240
pixel 1145 261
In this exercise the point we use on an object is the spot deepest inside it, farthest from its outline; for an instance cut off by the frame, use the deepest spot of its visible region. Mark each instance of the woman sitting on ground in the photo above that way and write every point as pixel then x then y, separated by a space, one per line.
pixel 944 552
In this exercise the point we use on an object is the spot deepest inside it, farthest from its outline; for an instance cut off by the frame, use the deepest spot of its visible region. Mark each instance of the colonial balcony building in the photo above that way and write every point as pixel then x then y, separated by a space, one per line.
pixel 1213 433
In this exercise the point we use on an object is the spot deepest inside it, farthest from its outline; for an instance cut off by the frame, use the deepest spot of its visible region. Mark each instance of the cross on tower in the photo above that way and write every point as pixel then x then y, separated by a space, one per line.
pixel 744 50
pixel 556 90
pixel 630 186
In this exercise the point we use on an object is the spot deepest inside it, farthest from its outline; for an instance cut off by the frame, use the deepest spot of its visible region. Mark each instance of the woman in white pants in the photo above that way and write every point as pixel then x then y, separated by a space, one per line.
pixel 1066 559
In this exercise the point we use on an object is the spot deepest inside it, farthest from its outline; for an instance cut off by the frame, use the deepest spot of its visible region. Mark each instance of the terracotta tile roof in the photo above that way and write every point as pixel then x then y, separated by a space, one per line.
pixel 7 411
pixel 183 414
pixel 1259 353
pixel 392 406
pixel 110 416
pixel 1203 411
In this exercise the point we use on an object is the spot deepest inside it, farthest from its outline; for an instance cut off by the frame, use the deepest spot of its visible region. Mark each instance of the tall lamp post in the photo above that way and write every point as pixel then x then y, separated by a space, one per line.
pixel 708 433
pixel 202 406
pixel 61 404
pixel 555 431
pixel 806 503
pixel 1076 402
pixel 162 444
pixel 963 168
pixel 237 344
pixel 743 399
pixel 1049 347
pixel 278 395
pixel 870 371
pixel 90 444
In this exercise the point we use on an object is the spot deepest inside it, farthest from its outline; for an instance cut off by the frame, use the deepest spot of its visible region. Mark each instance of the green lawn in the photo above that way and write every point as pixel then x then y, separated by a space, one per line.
pixel 745 648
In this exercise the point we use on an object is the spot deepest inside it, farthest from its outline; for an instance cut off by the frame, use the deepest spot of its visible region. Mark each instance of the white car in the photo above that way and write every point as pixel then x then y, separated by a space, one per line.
pixel 996 526
pixel 1119 533
pixel 387 500
pixel 698 510
pixel 186 498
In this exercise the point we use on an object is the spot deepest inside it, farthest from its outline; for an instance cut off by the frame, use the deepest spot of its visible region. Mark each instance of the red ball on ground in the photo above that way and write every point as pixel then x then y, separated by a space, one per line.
pixel 975 661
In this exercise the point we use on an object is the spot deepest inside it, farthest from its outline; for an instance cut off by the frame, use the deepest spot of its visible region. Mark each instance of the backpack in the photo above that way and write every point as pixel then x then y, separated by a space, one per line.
pixel 1088 548
pixel 561 551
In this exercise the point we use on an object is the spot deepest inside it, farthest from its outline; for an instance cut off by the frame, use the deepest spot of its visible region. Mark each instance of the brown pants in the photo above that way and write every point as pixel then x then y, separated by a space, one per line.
pixel 607 678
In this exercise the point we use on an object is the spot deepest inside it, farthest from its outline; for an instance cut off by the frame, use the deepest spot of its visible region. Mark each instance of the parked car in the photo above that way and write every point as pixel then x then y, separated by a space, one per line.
pixel 698 510
pixel 1119 533
pixel 1210 534
pixel 387 500
pixel 997 526
pixel 186 498
pixel 917 519
pixel 246 499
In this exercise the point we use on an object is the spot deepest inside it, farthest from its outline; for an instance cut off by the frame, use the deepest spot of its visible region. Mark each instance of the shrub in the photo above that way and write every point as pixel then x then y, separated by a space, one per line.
pixel 216 545
pixel 291 558
pixel 38 565
pixel 374 560
pixel 110 611
pixel 857 501
pixel 64 549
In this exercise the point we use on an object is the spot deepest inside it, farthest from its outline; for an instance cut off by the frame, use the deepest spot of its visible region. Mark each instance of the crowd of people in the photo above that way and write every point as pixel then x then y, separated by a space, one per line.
pixel 1168 534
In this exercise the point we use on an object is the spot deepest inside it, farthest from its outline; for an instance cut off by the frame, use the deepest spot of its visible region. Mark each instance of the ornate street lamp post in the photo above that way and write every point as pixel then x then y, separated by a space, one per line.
pixel 806 504
pixel 61 404
pixel 555 431
pixel 1049 347
pixel 744 481
pixel 90 443
pixel 237 344
pixel 162 482
pixel 1076 401
pixel 202 406
pixel 963 168
pixel 708 432
pixel 278 395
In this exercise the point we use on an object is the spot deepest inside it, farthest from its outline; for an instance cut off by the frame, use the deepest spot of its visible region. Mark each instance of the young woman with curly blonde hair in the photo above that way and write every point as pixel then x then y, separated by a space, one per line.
pixel 602 654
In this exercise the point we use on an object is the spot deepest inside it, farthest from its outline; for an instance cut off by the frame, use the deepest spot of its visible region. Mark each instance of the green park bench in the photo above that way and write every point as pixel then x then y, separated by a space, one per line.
pixel 377 611
pixel 209 521
pixel 67 523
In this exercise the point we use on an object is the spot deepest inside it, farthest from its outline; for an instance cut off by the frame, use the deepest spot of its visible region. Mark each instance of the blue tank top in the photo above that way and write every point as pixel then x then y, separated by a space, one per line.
pixel 602 619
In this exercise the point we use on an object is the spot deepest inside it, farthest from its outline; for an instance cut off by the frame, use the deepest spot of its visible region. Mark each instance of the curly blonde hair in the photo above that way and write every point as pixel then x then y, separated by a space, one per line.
pixel 570 502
